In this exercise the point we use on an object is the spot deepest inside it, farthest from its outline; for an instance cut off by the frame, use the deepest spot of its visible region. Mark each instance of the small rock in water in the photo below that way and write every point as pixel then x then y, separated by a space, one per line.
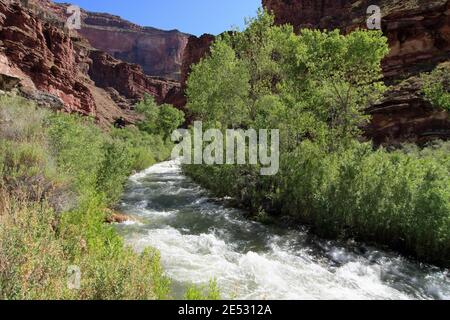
pixel 115 217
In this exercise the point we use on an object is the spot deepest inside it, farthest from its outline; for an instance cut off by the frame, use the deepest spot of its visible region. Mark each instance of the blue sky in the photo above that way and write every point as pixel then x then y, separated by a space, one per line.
pixel 190 16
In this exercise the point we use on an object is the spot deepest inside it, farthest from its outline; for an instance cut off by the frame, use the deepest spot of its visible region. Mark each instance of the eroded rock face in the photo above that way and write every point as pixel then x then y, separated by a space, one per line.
pixel 404 115
pixel 127 80
pixel 160 53
pixel 196 49
pixel 58 67
pixel 45 55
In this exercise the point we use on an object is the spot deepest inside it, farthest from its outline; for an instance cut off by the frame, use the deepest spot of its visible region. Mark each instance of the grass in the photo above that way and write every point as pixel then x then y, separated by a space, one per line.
pixel 57 174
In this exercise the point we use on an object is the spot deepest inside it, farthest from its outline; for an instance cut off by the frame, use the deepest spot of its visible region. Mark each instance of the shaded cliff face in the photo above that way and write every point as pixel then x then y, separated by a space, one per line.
pixel 160 53
pixel 60 69
pixel 127 80
pixel 196 49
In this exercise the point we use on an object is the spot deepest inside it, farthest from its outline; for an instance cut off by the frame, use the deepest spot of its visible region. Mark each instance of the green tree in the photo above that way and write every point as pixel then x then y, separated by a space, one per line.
pixel 218 87
pixel 335 77
pixel 149 109
pixel 169 119
pixel 436 86
pixel 159 120
pixel 315 85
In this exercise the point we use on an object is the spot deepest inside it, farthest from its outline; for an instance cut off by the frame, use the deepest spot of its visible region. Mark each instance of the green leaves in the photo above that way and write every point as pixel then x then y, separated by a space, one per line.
pixel 169 119
pixel 159 120
pixel 218 87
pixel 268 76
pixel 341 77
pixel 436 86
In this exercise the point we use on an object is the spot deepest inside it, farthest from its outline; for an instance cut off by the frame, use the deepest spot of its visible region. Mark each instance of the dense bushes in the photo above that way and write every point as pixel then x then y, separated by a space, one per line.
pixel 57 174
pixel 436 86
pixel 396 198
pixel 34 259
pixel 314 88
pixel 160 120
pixel 100 163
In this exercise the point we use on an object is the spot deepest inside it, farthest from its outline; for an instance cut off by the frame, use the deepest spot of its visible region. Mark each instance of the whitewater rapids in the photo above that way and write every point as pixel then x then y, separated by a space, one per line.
pixel 200 238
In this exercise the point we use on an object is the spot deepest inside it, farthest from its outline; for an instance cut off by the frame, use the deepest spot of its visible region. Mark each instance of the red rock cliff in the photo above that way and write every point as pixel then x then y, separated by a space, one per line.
pixel 196 49
pixel 58 67
pixel 159 52
pixel 44 57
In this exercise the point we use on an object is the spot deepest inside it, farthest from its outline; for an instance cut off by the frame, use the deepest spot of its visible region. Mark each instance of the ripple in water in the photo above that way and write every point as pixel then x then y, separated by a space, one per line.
pixel 201 239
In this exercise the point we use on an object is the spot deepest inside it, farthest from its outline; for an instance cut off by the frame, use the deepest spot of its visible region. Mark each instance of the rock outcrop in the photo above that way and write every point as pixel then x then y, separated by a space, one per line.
pixel 158 52
pixel 196 49
pixel 60 68
pixel 127 80
pixel 404 115
pixel 46 55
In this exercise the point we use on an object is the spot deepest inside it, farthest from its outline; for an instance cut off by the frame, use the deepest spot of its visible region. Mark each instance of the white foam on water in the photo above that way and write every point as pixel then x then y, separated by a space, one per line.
pixel 131 223
pixel 277 272
pixel 167 167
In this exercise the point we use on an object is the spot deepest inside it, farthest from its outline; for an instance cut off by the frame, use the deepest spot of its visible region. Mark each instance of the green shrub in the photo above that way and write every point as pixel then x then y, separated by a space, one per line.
pixel 436 86
pixel 159 120
pixel 34 259
pixel 212 292
pixel 145 149
pixel 395 198
pixel 45 160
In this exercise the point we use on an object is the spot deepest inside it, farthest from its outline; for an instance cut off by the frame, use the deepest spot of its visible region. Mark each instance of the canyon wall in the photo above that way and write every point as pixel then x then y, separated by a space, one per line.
pixel 60 69
pixel 196 49
pixel 158 52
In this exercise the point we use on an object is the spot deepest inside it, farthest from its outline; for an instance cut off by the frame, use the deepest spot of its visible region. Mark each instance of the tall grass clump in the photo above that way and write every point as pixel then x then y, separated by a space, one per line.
pixel 58 173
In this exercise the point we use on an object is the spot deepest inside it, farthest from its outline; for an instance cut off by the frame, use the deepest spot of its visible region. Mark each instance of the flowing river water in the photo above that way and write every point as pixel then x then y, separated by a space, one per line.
pixel 201 238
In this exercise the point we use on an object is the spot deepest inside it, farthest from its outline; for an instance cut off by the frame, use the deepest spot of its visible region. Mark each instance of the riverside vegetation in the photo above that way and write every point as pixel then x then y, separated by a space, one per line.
pixel 314 87
pixel 58 173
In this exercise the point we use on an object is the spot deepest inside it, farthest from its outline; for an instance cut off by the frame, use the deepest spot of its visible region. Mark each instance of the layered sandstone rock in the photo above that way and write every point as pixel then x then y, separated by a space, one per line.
pixel 404 115
pixel 128 80
pixel 59 68
pixel 159 52
pixel 44 54
pixel 196 49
